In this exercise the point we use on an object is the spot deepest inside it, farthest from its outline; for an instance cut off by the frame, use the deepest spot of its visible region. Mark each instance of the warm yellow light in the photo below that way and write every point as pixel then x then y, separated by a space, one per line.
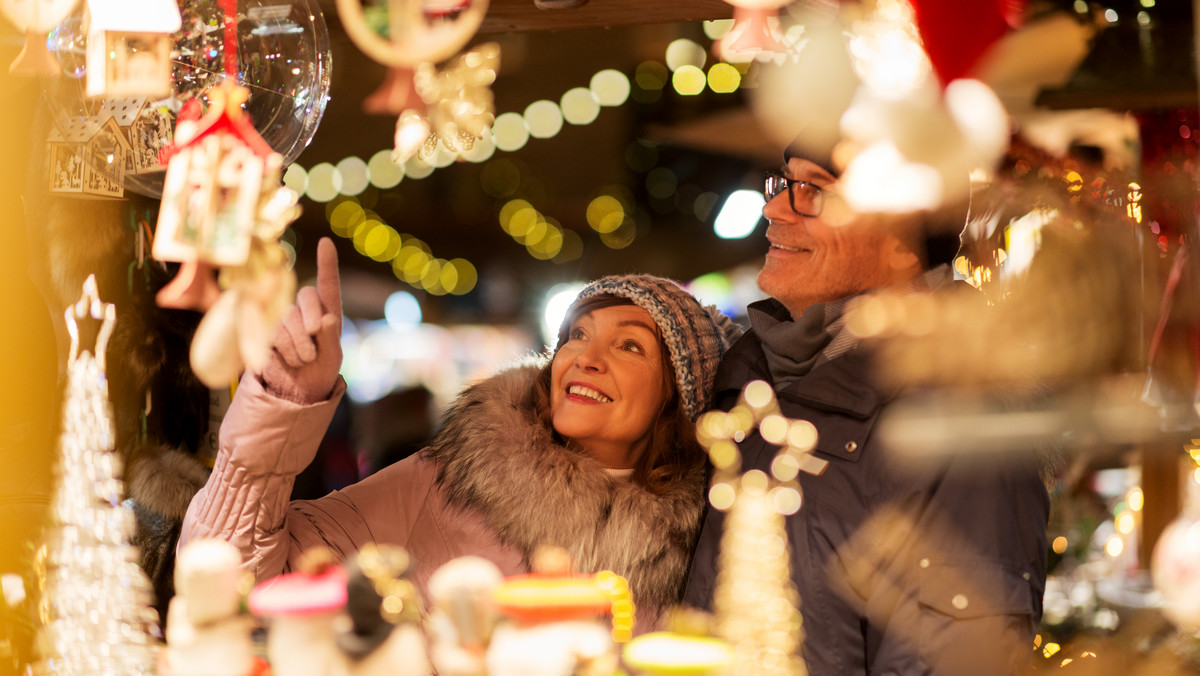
pixel 1115 546
pixel 1136 499
pixel 295 178
pixel 345 217
pixel 1125 523
pixel 384 173
pixel 367 231
pixel 324 182
pixel 418 168
pixel 579 106
pixel 572 247
pixel 724 78
pixel 523 222
pixel 689 81
pixel 610 87
pixel 651 75
pixel 379 241
pixel 1059 545
pixel 621 237
pixel 605 213
pixel 721 496
pixel 355 178
pixel 509 132
pixel 544 119
pixel 509 210
pixel 548 246
pixel 684 52
pixel 1051 649
pixel 467 276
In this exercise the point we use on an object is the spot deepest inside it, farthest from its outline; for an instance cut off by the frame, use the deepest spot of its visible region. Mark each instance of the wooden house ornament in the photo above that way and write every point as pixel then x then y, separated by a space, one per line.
pixel 218 168
pixel 87 157
pixel 147 127
pixel 129 47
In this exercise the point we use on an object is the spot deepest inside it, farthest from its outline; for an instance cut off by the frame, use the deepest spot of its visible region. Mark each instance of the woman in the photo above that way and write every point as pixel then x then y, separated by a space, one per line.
pixel 593 451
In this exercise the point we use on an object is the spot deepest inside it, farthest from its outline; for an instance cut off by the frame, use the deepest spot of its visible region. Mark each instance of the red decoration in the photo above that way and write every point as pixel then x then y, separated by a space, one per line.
pixel 957 34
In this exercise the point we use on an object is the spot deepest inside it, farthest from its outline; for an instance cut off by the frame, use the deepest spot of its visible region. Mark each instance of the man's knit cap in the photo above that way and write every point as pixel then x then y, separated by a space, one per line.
pixel 696 337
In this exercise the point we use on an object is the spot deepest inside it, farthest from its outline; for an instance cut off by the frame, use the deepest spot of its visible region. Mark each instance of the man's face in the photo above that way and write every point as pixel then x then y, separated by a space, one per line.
pixel 823 258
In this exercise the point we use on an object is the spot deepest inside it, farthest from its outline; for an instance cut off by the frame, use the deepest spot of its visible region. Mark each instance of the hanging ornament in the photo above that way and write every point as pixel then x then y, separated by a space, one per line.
pixel 36 18
pixel 129 47
pixel 755 29
pixel 755 602
pixel 95 611
pixel 957 34
pixel 453 106
pixel 88 157
pixel 208 631
pixel 223 208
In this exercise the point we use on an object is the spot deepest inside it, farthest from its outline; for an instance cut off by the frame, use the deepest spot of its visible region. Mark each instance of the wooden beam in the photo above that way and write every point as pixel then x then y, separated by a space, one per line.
pixel 506 16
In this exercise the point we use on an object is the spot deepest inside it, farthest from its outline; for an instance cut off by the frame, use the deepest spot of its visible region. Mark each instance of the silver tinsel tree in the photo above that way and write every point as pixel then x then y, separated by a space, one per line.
pixel 95 609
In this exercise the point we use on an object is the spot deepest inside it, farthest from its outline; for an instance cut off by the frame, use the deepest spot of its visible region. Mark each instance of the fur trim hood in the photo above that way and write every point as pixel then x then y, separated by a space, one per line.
pixel 494 456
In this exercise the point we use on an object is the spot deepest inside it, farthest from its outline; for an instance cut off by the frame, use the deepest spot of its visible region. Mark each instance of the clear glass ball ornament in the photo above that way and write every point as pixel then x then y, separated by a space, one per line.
pixel 284 61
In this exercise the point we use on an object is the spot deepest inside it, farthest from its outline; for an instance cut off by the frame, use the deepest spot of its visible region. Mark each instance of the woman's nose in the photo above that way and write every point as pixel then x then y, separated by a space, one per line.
pixel 591 358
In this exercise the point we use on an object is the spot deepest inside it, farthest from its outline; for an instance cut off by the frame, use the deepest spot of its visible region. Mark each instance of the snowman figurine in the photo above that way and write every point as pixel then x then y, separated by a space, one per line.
pixel 556 625
pixel 462 616
pixel 384 637
pixel 207 632
pixel 304 610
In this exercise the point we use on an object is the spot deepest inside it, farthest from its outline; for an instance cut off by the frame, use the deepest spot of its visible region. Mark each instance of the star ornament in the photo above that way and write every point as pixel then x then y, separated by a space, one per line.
pixel 90 305
pixel 757 410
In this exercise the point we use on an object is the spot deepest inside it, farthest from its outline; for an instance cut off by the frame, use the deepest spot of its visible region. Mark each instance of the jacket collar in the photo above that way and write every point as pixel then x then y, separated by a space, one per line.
pixel 494 456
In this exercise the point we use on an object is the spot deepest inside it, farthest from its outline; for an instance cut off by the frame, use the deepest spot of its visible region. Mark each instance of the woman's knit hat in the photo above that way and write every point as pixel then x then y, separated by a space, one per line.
pixel 695 336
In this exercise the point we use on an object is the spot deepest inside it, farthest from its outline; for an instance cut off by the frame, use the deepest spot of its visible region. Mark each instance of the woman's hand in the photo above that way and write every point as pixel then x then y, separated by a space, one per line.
pixel 307 352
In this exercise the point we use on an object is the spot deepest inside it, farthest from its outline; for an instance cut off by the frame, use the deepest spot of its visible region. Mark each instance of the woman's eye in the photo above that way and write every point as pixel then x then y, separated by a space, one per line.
pixel 633 346
pixel 576 334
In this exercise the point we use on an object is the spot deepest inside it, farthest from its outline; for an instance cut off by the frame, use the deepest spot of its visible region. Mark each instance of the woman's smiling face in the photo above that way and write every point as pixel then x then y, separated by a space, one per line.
pixel 606 383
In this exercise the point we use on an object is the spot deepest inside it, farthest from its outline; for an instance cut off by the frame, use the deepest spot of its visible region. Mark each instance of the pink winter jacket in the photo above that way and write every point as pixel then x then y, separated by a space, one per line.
pixel 494 483
pixel 267 441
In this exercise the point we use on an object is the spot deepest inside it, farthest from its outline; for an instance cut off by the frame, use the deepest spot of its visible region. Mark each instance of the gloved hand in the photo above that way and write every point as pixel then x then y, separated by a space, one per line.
pixel 307 352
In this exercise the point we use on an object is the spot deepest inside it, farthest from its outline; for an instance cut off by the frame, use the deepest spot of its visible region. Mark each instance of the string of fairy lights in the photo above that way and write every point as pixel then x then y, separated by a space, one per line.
pixel 339 185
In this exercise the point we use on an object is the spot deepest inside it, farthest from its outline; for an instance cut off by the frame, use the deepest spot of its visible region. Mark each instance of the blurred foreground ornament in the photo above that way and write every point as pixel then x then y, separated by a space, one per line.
pixel 674 654
pixel 755 602
pixel 462 616
pixel 385 611
pixel 1175 566
pixel 956 35
pixel 208 634
pixel 129 47
pixel 96 608
pixel 453 106
pixel 457 105
pixel 35 18
pixel 224 207
pixel 302 610
pixel 755 29
pixel 556 630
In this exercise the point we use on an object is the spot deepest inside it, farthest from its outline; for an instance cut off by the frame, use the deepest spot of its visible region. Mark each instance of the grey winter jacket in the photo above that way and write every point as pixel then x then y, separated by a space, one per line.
pixel 900 569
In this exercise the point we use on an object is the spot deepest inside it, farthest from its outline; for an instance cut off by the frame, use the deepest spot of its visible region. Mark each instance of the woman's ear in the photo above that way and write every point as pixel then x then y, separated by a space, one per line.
pixel 901 259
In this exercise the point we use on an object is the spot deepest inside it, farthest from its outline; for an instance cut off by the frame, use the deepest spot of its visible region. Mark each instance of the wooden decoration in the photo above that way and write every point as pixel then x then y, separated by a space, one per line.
pixel 129 47
pixel 87 157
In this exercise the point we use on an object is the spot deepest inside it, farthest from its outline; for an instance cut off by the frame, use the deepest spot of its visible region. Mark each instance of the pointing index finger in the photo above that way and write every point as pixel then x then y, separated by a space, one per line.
pixel 329 287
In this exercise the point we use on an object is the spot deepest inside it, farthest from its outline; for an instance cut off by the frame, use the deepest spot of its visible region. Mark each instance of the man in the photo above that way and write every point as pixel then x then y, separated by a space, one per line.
pixel 900 569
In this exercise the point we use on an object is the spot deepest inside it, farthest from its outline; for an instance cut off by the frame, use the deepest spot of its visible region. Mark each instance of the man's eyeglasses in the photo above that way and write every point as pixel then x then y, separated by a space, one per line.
pixel 807 199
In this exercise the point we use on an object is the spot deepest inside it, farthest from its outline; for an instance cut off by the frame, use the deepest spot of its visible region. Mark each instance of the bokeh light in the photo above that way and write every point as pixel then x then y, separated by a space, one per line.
pixel 715 30
pixel 610 87
pixel 605 213
pixel 355 178
pixel 384 173
pixel 544 119
pixel 684 52
pixel 296 178
pixel 509 132
pixel 417 168
pixel 401 309
pixel 651 75
pixel 579 106
pixel 689 80
pixel 724 78
pixel 324 182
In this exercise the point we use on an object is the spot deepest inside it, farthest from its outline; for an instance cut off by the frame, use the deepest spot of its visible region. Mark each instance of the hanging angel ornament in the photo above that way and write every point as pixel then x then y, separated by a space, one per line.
pixel 453 106
pixel 36 18
pixel 755 29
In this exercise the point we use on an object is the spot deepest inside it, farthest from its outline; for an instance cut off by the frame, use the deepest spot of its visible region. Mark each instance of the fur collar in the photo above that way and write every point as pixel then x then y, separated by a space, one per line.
pixel 493 456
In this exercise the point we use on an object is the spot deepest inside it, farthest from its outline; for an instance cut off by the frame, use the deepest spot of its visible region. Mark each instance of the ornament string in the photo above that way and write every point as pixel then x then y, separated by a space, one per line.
pixel 231 55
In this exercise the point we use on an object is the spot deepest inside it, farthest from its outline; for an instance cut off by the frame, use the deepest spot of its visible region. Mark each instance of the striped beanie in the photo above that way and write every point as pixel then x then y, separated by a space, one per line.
pixel 695 336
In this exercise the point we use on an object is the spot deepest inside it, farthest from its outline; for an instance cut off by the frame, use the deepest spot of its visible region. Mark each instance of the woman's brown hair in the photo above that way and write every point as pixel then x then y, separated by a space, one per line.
pixel 672 451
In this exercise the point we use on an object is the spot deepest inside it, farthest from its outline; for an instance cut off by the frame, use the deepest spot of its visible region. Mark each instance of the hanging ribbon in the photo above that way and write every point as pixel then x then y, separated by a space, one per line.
pixel 231 56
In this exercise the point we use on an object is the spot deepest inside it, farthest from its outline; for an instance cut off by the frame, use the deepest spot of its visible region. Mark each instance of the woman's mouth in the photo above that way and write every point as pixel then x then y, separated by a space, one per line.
pixel 588 393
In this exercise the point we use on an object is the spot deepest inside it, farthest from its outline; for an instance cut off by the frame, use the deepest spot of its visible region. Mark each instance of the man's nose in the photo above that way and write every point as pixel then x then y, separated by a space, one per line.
pixel 778 207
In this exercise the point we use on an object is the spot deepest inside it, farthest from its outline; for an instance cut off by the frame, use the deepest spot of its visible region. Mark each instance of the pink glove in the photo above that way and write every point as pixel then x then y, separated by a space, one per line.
pixel 307 352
